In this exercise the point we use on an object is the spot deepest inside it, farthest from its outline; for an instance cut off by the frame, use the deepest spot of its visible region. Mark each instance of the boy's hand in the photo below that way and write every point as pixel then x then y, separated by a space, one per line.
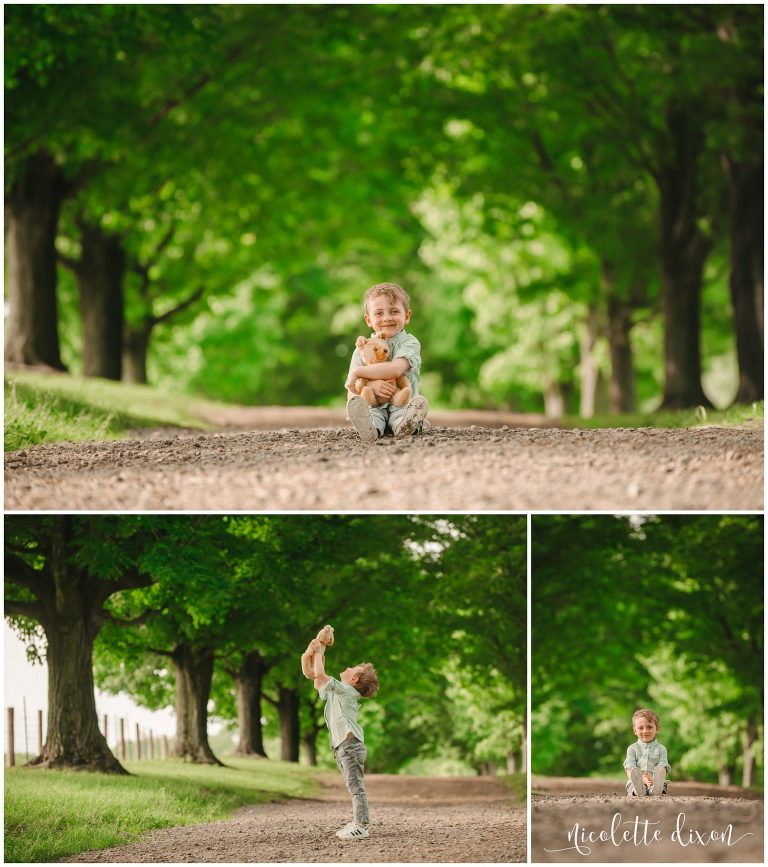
pixel 315 646
pixel 383 389
pixel 647 779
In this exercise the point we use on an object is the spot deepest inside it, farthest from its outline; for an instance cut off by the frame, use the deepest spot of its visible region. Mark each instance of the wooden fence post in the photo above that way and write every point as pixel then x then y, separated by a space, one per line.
pixel 151 745
pixel 138 742
pixel 11 755
pixel 122 739
pixel 40 732
pixel 106 729
pixel 165 746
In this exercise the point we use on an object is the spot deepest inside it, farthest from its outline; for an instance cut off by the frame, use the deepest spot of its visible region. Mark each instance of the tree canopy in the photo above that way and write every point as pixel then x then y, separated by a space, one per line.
pixel 659 611
pixel 570 193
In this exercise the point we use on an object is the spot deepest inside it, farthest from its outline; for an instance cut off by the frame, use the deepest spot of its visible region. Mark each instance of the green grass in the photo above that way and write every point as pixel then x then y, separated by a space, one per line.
pixel 52 814
pixel 518 785
pixel 45 408
pixel 683 418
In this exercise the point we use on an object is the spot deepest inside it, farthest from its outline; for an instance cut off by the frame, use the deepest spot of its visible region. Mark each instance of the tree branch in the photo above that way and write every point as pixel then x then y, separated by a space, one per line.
pixel 22 609
pixel 179 308
pixel 68 262
pixel 129 621
pixel 19 572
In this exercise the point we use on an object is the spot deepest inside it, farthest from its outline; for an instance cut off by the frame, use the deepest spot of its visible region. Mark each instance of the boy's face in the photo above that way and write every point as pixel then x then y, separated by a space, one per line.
pixel 350 675
pixel 645 729
pixel 386 315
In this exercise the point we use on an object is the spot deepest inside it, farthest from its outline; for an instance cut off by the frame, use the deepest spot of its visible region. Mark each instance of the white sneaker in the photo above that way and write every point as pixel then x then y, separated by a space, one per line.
pixel 636 776
pixel 415 414
pixel 352 832
pixel 359 414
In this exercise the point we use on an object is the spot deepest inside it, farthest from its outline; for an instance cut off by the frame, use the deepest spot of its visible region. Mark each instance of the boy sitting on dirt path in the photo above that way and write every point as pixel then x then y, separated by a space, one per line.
pixel 387 311
pixel 342 702
pixel 646 763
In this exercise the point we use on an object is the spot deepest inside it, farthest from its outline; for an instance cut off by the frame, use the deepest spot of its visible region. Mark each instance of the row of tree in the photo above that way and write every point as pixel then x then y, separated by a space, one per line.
pixel 211 612
pixel 662 612
pixel 546 178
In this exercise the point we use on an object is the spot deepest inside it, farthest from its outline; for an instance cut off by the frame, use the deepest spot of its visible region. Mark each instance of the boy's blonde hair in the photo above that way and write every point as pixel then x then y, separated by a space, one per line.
pixel 391 290
pixel 650 715
pixel 368 681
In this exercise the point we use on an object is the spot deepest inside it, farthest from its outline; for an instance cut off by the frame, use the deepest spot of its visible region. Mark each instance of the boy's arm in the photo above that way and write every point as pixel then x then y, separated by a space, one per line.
pixel 321 678
pixel 382 370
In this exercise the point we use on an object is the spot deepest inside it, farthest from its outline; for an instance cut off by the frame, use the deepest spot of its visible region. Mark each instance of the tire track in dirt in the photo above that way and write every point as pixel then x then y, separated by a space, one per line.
pixel 413 819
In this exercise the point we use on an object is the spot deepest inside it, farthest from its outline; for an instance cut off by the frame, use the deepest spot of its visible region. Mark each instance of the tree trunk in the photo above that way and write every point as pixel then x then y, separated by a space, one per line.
pixel 683 249
pixel 724 777
pixel 745 193
pixel 194 672
pixel 71 616
pixel 589 369
pixel 288 711
pixel 621 392
pixel 135 351
pixel 310 745
pixel 512 762
pixel 100 274
pixel 31 217
pixel 748 757
pixel 248 687
pixel 554 403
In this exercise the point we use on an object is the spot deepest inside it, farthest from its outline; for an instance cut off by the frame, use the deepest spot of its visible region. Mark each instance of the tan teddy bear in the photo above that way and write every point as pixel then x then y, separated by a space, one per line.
pixel 325 637
pixel 375 350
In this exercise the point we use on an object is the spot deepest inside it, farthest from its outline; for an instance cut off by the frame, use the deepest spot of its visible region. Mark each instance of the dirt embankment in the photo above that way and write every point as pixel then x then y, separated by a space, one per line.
pixel 413 819
pixel 472 468
pixel 593 821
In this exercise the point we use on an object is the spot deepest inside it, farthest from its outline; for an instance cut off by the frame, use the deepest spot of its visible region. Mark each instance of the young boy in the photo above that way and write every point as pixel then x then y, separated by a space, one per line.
pixel 342 702
pixel 646 763
pixel 387 311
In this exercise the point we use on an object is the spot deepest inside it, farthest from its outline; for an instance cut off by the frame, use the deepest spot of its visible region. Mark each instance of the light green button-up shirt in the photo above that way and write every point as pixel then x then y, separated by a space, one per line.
pixel 646 755
pixel 342 702
pixel 402 345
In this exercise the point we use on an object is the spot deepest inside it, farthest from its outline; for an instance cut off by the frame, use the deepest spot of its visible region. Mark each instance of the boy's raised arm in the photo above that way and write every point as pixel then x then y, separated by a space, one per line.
pixel 321 678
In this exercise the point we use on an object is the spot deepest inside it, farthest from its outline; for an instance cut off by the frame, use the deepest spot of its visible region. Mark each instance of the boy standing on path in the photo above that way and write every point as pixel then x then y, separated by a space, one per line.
pixel 342 702
pixel 387 312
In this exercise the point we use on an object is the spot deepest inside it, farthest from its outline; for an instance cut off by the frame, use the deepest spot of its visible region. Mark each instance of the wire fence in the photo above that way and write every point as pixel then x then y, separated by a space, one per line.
pixel 25 736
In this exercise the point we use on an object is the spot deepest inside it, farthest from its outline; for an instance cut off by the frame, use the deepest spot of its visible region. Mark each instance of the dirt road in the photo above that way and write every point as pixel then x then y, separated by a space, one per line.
pixel 593 821
pixel 413 819
pixel 448 468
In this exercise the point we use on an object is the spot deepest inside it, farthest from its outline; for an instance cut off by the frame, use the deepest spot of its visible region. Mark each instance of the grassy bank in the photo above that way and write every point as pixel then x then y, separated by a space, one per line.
pixel 44 408
pixel 52 814
pixel 518 785
pixel 698 417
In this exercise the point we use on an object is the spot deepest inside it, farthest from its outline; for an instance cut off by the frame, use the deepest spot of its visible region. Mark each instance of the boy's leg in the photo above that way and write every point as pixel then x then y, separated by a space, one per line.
pixel 659 781
pixel 350 756
pixel 408 420
pixel 369 421
pixel 636 776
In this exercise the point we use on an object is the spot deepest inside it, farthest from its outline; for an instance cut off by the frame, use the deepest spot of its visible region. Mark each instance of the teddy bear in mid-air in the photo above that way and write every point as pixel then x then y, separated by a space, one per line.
pixel 375 350
pixel 325 637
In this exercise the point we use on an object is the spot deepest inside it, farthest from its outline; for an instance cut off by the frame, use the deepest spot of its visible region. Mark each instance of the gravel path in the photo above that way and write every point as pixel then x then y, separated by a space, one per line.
pixel 472 468
pixel 413 819
pixel 692 826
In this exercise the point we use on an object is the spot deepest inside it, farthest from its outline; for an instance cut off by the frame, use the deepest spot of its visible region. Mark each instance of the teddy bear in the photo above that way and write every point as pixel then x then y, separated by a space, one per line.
pixel 325 637
pixel 375 350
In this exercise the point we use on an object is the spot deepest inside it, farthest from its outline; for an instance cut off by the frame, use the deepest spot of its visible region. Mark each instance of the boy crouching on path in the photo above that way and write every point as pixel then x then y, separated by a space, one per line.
pixel 646 763
pixel 387 310
pixel 342 702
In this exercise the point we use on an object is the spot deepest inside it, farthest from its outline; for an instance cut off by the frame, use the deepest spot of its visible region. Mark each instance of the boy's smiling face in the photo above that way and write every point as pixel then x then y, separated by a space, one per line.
pixel 645 729
pixel 386 315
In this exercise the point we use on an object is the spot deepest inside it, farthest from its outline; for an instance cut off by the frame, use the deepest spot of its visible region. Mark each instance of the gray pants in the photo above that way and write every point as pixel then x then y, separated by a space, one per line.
pixel 350 757
pixel 387 418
